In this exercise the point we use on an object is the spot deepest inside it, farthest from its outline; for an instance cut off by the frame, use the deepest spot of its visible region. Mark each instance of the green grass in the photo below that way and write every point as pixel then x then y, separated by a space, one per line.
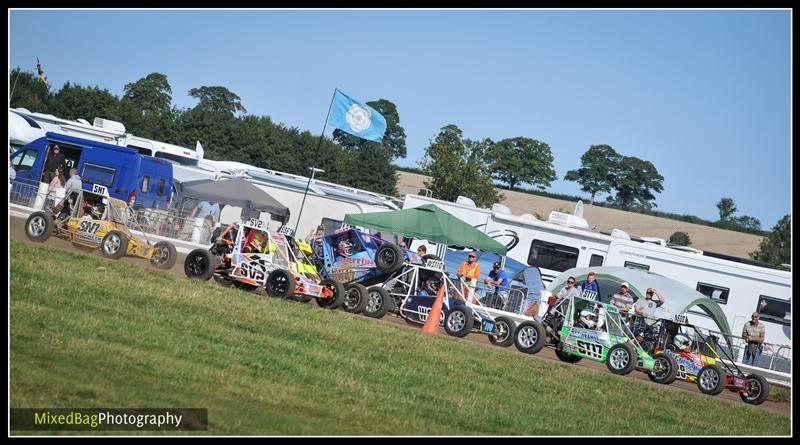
pixel 88 332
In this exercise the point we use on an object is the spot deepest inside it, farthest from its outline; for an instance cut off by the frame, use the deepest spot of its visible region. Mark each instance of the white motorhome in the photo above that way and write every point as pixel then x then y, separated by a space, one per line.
pixel 740 286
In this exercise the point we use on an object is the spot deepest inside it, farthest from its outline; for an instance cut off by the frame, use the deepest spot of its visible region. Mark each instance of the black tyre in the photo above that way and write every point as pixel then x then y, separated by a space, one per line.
pixel 621 359
pixel 567 357
pixel 504 329
pixel 164 255
pixel 378 302
pixel 389 258
pixel 244 286
pixel 39 227
pixel 355 298
pixel 199 264
pixel 529 337
pixel 664 370
pixel 757 390
pixel 334 301
pixel 459 321
pixel 711 380
pixel 114 245
pixel 280 284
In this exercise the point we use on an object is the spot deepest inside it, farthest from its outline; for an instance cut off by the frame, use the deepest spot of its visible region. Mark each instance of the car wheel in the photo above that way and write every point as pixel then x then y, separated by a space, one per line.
pixel 355 298
pixel 198 264
pixel 378 302
pixel 567 357
pixel 665 369
pixel 529 337
pixel 280 284
pixel 335 300
pixel 756 390
pixel 621 359
pixel 503 335
pixel 39 227
pixel 459 321
pixel 711 380
pixel 164 255
pixel 114 245
pixel 389 258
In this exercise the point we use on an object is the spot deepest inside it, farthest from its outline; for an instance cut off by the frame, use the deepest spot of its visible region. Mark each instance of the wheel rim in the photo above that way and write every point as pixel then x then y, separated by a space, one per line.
pixel 326 302
pixel 36 225
pixel 619 358
pixel 278 284
pixel 709 379
pixel 753 388
pixel 160 255
pixel 661 367
pixel 456 321
pixel 197 265
pixel 351 298
pixel 111 246
pixel 387 256
pixel 528 336
pixel 502 331
pixel 374 302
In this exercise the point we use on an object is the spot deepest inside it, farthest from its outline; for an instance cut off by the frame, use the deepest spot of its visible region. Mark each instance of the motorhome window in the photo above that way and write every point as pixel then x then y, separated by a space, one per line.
pixel 162 186
pixel 714 292
pixel 145 184
pixel 25 160
pixel 595 260
pixel 774 310
pixel 142 150
pixel 552 256
pixel 179 159
pixel 97 174
pixel 632 265
pixel 331 225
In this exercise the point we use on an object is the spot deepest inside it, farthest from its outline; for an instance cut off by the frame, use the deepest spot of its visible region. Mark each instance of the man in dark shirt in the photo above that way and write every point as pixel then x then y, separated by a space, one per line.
pixel 55 161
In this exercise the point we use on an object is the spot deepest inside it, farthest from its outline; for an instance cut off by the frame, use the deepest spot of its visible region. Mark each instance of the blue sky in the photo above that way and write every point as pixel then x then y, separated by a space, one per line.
pixel 704 95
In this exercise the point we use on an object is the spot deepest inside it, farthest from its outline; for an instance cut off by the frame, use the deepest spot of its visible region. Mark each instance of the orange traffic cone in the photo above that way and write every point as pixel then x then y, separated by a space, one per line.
pixel 432 323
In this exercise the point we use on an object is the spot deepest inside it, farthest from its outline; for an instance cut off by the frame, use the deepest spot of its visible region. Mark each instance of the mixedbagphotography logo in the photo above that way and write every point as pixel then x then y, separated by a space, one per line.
pixel 109 419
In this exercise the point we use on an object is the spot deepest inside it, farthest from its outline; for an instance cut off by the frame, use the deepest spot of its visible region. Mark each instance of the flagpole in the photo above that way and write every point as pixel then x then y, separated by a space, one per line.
pixel 314 169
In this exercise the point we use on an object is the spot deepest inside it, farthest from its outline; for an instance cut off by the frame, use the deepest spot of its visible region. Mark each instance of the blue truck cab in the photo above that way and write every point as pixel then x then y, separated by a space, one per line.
pixel 142 181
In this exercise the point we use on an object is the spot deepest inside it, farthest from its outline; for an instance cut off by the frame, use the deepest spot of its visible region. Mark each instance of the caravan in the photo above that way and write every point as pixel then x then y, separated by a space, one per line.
pixel 740 286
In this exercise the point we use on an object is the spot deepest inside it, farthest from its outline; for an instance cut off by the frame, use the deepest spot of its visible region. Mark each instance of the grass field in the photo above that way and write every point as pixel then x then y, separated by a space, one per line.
pixel 88 332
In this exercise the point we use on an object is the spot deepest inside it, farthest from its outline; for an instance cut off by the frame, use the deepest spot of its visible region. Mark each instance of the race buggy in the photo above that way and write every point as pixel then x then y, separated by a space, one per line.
pixel 692 354
pixel 92 220
pixel 251 257
pixel 582 327
pixel 357 259
pixel 413 292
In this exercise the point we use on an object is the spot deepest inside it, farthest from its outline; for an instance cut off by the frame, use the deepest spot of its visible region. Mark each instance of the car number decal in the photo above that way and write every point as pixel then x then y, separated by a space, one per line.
pixel 591 349
pixel 88 227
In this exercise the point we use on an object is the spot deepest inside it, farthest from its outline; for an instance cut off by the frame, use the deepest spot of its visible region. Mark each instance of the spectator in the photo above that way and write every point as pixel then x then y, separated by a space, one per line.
pixel 199 214
pixel 623 300
pixel 55 191
pixel 316 233
pixel 570 290
pixel 753 333
pixel 402 244
pixel 497 281
pixel 74 183
pixel 469 271
pixel 647 306
pixel 12 174
pixel 55 161
pixel 215 212
pixel 590 285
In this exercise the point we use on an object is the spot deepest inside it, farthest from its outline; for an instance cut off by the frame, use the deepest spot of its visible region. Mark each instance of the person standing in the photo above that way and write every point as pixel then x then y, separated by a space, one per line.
pixel 589 287
pixel 622 300
pixel 647 306
pixel 55 161
pixel 469 271
pixel 570 290
pixel 498 281
pixel 199 214
pixel 753 333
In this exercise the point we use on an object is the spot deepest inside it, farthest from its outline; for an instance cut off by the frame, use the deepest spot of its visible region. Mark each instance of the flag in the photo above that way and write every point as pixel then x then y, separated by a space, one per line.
pixel 356 118
pixel 41 73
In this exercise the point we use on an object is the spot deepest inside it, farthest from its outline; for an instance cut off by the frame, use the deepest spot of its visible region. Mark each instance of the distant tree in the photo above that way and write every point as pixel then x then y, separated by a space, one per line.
pixel 150 94
pixel 522 160
pixel 635 180
pixel 217 99
pixel 596 172
pixel 775 248
pixel 28 91
pixel 726 208
pixel 746 222
pixel 680 239
pixel 456 166
pixel 76 101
